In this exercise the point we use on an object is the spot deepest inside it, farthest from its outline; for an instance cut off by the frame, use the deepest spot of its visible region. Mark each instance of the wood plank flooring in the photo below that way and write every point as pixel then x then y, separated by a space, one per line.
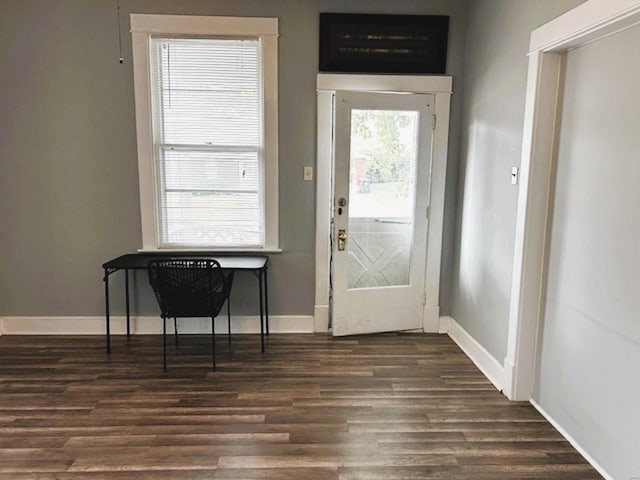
pixel 393 406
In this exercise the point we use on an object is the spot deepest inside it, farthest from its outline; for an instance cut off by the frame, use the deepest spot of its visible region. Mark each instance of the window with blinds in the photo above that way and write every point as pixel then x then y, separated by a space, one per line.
pixel 208 140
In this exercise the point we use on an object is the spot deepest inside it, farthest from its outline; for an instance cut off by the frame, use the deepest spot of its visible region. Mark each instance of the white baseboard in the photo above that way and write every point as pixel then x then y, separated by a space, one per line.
pixel 443 324
pixel 321 315
pixel 150 325
pixel 509 380
pixel 431 318
pixel 572 441
pixel 487 364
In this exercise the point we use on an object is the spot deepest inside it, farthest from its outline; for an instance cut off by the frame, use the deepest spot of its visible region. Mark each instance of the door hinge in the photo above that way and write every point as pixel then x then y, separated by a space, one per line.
pixel 424 298
pixel 428 211
pixel 433 121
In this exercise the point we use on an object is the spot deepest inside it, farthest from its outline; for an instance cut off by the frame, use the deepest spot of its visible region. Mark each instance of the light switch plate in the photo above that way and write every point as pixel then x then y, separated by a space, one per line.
pixel 514 175
pixel 308 174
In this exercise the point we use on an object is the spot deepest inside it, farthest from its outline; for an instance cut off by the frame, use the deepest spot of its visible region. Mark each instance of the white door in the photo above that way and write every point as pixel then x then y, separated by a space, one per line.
pixel 381 192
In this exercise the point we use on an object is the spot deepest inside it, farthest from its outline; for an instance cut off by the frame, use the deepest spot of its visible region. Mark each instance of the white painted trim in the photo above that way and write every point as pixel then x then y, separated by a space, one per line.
pixel 152 325
pixel 142 28
pixel 271 174
pixel 443 324
pixel 586 23
pixel 321 316
pixel 541 111
pixel 572 441
pixel 384 83
pixel 144 137
pixel 441 87
pixel 211 250
pixel 430 311
pixel 482 359
pixel 324 160
pixel 437 181
pixel 509 378
pixel 203 25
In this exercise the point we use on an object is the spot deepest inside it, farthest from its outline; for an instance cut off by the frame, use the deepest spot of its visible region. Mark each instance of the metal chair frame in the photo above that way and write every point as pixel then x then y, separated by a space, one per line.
pixel 190 287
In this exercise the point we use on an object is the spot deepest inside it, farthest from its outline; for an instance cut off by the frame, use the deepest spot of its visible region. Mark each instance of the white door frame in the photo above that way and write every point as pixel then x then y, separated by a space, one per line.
pixel 586 23
pixel 327 85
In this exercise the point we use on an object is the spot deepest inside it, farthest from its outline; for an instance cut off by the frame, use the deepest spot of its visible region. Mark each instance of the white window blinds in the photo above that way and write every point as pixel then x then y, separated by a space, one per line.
pixel 208 141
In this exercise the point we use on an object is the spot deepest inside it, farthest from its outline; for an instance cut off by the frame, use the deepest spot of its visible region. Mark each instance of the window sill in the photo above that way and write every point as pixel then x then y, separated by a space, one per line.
pixel 210 250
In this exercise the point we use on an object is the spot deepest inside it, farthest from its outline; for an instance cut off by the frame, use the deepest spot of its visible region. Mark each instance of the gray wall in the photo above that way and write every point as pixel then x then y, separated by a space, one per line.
pixel 590 341
pixel 68 165
pixel 494 94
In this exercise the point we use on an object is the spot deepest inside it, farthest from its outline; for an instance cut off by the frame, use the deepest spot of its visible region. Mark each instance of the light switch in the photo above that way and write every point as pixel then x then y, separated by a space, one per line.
pixel 514 175
pixel 308 174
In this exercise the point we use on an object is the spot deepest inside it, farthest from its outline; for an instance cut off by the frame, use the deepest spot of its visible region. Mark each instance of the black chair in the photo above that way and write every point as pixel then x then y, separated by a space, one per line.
pixel 189 287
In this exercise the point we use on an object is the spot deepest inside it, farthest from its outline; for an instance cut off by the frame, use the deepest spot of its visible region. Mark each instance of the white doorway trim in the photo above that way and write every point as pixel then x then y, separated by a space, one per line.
pixel 586 23
pixel 327 85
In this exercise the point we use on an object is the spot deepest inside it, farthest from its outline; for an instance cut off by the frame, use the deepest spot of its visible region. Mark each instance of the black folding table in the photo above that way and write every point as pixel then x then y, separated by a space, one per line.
pixel 256 264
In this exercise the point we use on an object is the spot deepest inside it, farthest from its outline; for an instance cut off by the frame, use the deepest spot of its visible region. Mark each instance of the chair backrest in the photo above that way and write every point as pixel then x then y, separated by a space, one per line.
pixel 189 286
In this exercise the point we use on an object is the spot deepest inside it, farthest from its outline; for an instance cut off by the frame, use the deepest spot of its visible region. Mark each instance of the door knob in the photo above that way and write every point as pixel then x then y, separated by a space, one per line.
pixel 342 239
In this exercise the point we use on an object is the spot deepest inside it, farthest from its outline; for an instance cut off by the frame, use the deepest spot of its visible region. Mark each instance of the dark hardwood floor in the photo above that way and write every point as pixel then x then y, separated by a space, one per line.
pixel 403 406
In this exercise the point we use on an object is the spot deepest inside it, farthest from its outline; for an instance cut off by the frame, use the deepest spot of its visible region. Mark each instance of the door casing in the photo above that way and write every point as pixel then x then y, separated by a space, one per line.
pixel 588 22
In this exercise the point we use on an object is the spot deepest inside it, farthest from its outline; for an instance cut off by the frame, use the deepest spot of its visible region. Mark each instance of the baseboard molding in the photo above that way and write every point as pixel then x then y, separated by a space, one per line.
pixel 509 381
pixel 487 364
pixel 321 315
pixel 431 318
pixel 571 440
pixel 150 325
pixel 443 324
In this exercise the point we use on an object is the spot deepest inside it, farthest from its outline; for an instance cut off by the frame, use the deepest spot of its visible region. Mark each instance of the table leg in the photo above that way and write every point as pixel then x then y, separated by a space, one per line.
pixel 229 317
pixel 126 297
pixel 266 301
pixel 164 344
pixel 213 343
pixel 106 307
pixel 261 312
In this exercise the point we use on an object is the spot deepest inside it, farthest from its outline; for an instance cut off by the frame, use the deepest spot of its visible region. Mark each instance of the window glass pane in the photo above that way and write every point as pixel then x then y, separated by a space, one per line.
pixel 208 134
pixel 210 198
pixel 206 170
pixel 212 218
pixel 208 91
pixel 381 197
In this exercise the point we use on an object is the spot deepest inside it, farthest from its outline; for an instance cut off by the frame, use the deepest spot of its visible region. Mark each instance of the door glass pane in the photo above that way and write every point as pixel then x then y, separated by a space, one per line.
pixel 381 197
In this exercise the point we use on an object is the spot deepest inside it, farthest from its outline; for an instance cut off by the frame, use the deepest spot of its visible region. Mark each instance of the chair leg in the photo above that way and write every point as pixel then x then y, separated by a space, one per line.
pixel 213 342
pixel 164 344
pixel 175 329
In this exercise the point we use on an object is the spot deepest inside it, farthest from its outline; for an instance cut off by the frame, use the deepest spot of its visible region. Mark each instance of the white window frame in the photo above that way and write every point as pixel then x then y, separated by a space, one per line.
pixel 143 27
